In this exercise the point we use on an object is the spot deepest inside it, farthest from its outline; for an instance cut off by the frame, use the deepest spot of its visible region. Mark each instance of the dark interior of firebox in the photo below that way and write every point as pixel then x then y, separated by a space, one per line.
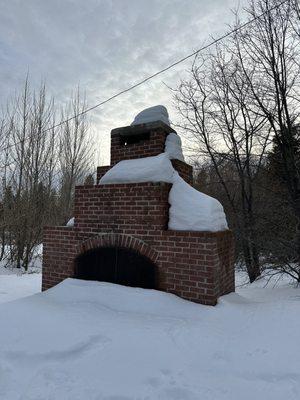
pixel 116 265
pixel 125 140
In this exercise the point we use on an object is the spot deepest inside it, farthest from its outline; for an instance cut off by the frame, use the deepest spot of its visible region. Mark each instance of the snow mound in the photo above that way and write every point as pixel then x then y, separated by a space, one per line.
pixel 127 299
pixel 173 147
pixel 190 210
pixel 99 341
pixel 194 211
pixel 152 114
pixel 148 169
pixel 71 222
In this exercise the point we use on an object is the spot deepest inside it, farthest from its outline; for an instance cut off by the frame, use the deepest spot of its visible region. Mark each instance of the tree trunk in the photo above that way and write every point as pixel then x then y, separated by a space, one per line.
pixel 251 259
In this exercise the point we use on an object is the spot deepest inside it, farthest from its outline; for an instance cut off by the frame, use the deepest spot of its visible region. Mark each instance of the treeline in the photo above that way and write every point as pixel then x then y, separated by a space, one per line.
pixel 240 107
pixel 40 165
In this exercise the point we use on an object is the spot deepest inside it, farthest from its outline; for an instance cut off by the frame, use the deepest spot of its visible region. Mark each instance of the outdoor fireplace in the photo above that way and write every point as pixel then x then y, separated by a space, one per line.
pixel 121 233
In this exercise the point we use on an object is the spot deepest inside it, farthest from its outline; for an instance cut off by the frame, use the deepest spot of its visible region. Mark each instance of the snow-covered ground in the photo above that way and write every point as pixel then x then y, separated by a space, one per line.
pixel 15 284
pixel 91 340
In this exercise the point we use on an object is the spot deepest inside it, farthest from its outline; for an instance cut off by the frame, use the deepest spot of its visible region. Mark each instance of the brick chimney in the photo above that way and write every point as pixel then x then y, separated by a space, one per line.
pixel 138 141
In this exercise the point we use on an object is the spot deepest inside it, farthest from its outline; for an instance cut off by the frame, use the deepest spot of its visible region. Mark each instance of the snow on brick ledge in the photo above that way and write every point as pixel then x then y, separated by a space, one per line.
pixel 71 222
pixel 173 147
pixel 148 169
pixel 190 209
pixel 194 211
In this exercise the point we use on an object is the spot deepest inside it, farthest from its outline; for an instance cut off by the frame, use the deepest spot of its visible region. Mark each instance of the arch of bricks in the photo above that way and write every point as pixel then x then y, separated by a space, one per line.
pixel 118 240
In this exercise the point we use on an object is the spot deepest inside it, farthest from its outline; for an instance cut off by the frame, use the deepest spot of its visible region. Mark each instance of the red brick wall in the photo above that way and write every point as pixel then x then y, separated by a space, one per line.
pixel 197 266
pixel 184 170
pixel 102 171
pixel 130 207
pixel 59 251
pixel 145 148
pixel 189 263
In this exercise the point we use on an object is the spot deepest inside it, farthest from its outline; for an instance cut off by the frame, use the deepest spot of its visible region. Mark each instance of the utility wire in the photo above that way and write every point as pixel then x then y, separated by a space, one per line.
pixel 161 71
pixel 174 64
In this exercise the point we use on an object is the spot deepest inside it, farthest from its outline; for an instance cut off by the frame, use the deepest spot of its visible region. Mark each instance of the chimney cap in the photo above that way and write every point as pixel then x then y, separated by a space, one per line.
pixel 136 130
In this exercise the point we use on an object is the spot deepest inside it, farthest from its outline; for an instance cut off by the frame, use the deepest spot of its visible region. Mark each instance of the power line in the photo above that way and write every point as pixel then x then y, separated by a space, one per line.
pixel 174 64
pixel 161 71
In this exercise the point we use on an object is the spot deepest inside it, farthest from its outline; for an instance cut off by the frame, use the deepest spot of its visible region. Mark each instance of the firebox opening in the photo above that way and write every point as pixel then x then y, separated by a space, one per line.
pixel 127 139
pixel 117 265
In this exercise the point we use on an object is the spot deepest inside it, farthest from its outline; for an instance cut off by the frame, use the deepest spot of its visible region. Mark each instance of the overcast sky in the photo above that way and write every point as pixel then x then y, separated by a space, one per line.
pixel 105 46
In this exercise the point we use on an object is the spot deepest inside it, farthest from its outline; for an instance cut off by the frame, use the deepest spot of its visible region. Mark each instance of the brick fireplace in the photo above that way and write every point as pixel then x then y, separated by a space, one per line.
pixel 121 233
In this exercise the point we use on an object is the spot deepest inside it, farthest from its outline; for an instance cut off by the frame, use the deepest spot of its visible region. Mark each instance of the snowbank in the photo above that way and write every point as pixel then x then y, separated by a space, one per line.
pixel 99 341
pixel 173 147
pixel 194 211
pixel 190 210
pixel 152 114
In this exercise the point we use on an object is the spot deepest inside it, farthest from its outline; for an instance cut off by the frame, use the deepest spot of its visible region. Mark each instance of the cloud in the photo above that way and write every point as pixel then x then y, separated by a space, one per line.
pixel 105 46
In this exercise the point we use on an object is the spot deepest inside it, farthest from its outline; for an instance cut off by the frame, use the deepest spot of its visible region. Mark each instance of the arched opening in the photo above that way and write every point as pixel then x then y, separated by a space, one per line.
pixel 116 265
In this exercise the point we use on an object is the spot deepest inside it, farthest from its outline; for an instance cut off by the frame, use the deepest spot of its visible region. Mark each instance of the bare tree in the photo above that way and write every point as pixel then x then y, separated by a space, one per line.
pixel 75 156
pixel 214 107
pixel 4 160
pixel 238 99
pixel 40 166
pixel 30 170
pixel 268 52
